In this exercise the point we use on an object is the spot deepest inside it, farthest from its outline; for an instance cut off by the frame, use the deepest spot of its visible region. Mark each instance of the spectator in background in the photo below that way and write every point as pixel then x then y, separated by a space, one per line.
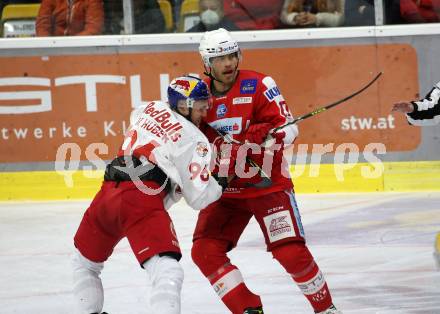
pixel 392 12
pixel 362 13
pixel 254 14
pixel 359 13
pixel 420 11
pixel 212 17
pixel 70 17
pixel 148 17
pixel 176 5
pixel 306 13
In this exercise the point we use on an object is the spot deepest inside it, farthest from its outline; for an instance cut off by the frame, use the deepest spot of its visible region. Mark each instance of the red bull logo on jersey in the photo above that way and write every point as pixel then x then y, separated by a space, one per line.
pixel 161 125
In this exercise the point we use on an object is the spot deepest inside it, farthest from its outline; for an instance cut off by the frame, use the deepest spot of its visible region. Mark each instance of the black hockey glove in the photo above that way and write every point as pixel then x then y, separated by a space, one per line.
pixel 222 181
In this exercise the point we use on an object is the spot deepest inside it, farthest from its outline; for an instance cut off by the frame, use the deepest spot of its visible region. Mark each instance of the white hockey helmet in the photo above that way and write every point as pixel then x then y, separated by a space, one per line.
pixel 217 43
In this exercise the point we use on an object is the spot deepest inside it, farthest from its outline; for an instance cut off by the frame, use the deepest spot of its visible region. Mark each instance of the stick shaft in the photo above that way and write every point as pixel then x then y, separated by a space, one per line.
pixel 266 181
pixel 322 109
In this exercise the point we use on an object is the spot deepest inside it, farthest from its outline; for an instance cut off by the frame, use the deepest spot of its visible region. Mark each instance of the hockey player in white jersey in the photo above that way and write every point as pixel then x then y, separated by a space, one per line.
pixel 421 113
pixel 164 156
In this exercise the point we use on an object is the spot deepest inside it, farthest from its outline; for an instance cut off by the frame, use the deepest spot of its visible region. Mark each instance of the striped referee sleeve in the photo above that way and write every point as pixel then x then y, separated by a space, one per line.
pixel 427 110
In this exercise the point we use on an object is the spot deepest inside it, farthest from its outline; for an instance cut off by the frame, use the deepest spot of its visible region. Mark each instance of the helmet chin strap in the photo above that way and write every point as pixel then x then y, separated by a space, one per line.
pixel 212 77
pixel 186 116
pixel 189 105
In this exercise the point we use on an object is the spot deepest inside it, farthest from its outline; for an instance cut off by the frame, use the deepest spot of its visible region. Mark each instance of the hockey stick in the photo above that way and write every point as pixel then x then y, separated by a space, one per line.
pixel 265 179
pixel 325 108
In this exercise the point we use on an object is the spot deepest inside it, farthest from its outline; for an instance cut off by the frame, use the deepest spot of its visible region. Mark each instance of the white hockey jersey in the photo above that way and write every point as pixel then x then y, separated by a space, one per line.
pixel 427 110
pixel 161 136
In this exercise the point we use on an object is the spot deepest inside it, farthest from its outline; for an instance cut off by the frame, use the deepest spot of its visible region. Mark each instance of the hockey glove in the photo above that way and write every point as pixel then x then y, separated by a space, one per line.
pixel 257 133
pixel 222 181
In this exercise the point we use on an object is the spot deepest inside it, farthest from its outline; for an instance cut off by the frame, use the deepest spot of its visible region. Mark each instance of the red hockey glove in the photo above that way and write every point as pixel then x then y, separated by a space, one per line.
pixel 273 145
pixel 278 136
pixel 257 133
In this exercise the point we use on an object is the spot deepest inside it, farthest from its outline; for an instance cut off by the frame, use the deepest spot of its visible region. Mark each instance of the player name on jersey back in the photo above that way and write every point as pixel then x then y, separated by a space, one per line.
pixel 160 122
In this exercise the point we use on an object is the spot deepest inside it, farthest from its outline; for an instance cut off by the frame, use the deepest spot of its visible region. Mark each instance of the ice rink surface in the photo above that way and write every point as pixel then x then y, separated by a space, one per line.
pixel 374 249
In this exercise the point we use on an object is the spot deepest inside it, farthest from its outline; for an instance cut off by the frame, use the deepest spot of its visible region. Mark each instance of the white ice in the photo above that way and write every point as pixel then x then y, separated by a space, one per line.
pixel 374 249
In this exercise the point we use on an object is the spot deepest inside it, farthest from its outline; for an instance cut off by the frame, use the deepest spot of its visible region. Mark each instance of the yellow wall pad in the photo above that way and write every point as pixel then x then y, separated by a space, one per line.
pixel 324 178
pixel 49 185
pixel 412 176
pixel 332 178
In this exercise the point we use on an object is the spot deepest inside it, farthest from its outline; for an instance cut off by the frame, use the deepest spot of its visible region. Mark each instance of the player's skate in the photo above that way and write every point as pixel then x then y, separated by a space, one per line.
pixel 437 250
pixel 331 310
pixel 254 310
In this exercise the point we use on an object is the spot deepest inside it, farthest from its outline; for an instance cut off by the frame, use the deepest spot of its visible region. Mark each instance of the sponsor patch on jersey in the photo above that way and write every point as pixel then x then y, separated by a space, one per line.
pixel 221 110
pixel 241 100
pixel 314 286
pixel 279 226
pixel 228 125
pixel 271 93
pixel 248 86
pixel 202 149
pixel 220 288
pixel 227 283
pixel 158 120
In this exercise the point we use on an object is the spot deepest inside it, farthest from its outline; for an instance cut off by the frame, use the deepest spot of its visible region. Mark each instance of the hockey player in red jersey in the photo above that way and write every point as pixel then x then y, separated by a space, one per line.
pixel 164 156
pixel 248 106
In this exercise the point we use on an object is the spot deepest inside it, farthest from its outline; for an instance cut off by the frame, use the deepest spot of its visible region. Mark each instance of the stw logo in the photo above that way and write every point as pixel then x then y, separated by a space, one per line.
pixel 278 223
